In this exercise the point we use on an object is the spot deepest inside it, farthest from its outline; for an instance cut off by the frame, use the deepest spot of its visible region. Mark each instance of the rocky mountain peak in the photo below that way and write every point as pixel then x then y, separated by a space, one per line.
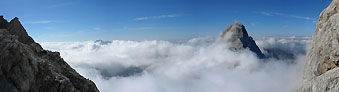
pixel 321 72
pixel 26 67
pixel 236 35
pixel 15 28
pixel 3 22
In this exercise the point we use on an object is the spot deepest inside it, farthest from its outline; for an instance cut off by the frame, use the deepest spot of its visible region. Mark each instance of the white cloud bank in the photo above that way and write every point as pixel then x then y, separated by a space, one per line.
pixel 197 65
pixel 293 44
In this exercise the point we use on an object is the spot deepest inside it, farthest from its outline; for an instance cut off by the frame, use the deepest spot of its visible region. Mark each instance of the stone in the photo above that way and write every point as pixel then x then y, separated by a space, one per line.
pixel 321 72
pixel 236 36
pixel 26 67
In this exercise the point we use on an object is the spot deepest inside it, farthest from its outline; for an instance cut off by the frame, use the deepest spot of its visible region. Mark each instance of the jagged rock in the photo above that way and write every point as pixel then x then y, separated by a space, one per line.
pixel 26 67
pixel 102 42
pixel 125 72
pixel 321 72
pixel 236 35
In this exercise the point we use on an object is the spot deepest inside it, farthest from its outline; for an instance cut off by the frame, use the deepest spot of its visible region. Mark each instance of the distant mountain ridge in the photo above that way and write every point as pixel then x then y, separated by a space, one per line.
pixel 236 35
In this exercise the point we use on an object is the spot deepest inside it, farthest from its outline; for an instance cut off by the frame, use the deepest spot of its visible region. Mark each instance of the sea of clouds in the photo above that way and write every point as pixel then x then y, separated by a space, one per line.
pixel 196 65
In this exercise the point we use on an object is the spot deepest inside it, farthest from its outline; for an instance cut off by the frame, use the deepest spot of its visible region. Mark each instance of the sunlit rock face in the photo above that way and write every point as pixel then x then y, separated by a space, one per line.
pixel 321 73
pixel 236 36
pixel 26 67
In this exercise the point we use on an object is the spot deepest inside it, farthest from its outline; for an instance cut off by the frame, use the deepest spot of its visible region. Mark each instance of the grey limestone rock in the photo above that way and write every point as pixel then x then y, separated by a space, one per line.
pixel 236 35
pixel 321 73
pixel 26 67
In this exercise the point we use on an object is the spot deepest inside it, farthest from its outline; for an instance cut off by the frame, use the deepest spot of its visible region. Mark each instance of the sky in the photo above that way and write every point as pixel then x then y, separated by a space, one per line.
pixel 83 20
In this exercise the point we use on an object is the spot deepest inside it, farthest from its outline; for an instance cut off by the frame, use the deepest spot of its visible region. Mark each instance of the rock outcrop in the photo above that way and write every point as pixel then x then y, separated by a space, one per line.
pixel 26 67
pixel 236 35
pixel 321 72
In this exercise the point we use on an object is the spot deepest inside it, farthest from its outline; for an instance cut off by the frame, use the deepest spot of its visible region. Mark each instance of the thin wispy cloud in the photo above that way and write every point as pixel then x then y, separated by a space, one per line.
pixel 40 22
pixel 48 28
pixel 62 4
pixel 266 13
pixel 157 17
pixel 97 28
pixel 138 28
pixel 286 15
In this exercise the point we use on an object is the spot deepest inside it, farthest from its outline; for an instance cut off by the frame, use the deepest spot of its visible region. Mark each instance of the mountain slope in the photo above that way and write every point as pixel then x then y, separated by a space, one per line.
pixel 321 73
pixel 26 67
pixel 236 35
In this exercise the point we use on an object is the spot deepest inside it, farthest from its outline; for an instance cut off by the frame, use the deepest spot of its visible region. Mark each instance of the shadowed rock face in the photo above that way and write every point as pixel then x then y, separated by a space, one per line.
pixel 26 67
pixel 321 72
pixel 127 72
pixel 236 35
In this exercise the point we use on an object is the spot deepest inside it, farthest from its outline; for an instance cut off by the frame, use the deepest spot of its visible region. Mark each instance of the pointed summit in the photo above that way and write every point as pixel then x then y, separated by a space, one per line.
pixel 236 35
pixel 15 28
pixel 3 22
pixel 26 67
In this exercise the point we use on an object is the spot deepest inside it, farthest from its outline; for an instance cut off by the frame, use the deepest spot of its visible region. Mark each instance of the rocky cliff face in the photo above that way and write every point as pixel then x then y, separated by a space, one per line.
pixel 236 35
pixel 321 73
pixel 26 67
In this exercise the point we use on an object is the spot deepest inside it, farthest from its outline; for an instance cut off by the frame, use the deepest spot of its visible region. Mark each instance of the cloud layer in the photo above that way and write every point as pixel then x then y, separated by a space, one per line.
pixel 197 65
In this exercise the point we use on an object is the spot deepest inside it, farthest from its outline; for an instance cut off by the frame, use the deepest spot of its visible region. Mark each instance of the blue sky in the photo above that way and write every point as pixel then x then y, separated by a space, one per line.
pixel 82 20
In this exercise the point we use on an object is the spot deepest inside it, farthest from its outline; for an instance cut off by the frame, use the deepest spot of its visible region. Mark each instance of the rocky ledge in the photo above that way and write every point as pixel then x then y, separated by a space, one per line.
pixel 26 67
pixel 321 72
